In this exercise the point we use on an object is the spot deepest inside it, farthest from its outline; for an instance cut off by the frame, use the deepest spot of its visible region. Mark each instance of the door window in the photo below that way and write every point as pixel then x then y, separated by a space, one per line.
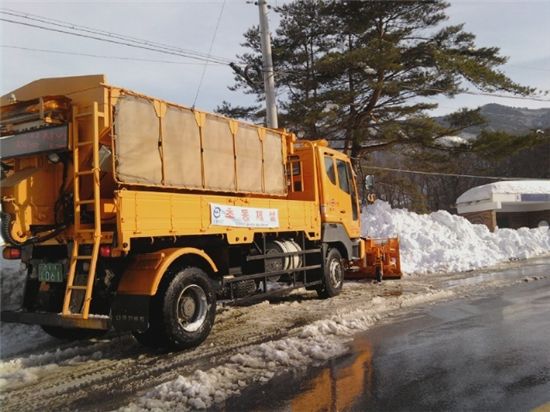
pixel 329 167
pixel 354 203
pixel 343 178
pixel 345 181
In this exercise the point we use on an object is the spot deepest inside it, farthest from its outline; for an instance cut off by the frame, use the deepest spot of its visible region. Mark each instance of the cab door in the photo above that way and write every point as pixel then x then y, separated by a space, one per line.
pixel 339 202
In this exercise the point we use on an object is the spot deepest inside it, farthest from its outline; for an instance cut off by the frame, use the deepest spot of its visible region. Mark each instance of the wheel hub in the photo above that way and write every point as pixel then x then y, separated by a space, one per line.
pixel 192 308
pixel 336 272
pixel 188 307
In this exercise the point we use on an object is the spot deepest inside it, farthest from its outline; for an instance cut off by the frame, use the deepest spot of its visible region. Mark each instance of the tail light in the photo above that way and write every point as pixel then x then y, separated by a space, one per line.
pixel 11 253
pixel 105 251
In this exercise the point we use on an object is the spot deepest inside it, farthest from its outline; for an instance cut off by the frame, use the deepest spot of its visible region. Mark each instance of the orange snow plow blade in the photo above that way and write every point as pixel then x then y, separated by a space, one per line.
pixel 379 259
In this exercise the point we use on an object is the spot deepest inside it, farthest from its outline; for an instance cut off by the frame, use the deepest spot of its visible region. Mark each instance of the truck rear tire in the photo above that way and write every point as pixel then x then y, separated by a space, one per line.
pixel 188 309
pixel 333 275
pixel 182 313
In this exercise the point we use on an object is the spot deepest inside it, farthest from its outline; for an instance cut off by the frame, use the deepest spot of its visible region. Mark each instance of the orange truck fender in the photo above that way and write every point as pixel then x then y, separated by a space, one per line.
pixel 144 274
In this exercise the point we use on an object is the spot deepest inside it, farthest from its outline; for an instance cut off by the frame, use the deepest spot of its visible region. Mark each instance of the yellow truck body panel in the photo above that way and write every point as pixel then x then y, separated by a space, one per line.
pixel 150 214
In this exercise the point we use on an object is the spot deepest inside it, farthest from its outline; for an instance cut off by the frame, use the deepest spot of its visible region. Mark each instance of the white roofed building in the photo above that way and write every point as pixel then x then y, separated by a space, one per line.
pixel 508 204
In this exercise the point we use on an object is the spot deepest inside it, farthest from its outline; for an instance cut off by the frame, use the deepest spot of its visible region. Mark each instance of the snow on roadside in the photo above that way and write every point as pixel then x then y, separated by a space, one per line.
pixel 441 242
pixel 12 283
pixel 17 368
pixel 305 346
pixel 16 338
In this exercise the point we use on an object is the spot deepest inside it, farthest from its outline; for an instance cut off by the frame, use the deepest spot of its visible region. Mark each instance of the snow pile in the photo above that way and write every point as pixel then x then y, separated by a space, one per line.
pixel 451 141
pixel 15 338
pixel 16 373
pixel 510 187
pixel 257 364
pixel 308 345
pixel 439 241
pixel 20 370
pixel 12 283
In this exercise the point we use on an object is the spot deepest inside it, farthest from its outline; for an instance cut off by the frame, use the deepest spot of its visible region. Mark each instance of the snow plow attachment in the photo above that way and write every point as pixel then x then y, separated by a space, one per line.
pixel 379 259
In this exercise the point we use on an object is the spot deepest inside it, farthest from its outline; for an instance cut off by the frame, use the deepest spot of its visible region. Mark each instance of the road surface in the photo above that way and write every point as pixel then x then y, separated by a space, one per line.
pixel 488 353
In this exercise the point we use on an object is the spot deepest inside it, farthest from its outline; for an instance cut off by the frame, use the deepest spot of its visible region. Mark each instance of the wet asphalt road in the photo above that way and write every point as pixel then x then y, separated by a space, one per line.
pixel 483 354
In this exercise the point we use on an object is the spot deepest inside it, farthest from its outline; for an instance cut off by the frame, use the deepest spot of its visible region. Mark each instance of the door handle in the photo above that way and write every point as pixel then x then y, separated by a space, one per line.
pixel 342 211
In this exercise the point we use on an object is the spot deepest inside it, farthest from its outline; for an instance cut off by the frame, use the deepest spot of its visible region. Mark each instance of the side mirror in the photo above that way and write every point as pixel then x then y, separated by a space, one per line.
pixel 369 182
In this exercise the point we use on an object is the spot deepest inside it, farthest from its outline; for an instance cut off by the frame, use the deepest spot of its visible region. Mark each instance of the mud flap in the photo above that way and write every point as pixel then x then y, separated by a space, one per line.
pixel 130 312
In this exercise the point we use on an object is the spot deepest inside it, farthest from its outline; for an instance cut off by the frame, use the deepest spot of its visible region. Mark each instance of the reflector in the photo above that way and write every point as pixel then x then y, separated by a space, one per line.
pixel 11 253
pixel 105 251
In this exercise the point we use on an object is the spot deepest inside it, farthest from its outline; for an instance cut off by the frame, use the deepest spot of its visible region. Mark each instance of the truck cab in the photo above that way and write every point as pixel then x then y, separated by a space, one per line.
pixel 325 175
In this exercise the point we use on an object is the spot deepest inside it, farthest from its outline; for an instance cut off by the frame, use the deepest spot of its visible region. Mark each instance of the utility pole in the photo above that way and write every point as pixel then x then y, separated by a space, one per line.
pixel 269 80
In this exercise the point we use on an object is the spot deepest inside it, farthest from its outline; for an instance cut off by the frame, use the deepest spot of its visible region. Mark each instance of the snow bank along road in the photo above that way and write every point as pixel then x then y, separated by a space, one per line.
pixel 441 242
pixel 248 346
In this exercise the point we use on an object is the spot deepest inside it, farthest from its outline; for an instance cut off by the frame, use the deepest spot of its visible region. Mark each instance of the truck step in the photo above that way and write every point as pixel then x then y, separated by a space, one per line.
pixel 77 287
pixel 85 202
pixel 85 172
pixel 85 114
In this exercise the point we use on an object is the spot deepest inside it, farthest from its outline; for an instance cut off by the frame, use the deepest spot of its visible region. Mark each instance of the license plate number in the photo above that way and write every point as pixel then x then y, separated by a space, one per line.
pixel 50 272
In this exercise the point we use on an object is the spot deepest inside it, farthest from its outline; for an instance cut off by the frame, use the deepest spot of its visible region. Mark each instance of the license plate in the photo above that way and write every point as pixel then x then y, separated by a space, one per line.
pixel 50 272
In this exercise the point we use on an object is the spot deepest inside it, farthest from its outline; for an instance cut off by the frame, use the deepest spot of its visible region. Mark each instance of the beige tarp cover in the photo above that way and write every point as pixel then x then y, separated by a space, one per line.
pixel 161 146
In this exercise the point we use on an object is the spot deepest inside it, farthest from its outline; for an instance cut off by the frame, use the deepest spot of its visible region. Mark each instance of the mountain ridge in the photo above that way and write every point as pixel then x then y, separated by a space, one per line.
pixel 512 120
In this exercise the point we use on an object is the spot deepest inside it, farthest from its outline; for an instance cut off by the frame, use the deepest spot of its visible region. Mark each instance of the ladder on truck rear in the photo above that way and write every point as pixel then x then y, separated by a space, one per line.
pixel 83 231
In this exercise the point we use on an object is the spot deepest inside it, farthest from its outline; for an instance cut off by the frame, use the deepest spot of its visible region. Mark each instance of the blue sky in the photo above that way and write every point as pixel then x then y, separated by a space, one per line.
pixel 520 28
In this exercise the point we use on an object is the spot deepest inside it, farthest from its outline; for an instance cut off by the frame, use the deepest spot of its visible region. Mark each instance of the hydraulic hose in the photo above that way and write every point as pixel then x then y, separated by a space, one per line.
pixel 6 233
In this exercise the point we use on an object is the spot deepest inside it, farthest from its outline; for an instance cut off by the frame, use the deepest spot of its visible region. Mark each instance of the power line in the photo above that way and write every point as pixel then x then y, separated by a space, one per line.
pixel 418 172
pixel 479 93
pixel 209 51
pixel 7 46
pixel 123 43
pixel 504 96
pixel 104 33
pixel 102 39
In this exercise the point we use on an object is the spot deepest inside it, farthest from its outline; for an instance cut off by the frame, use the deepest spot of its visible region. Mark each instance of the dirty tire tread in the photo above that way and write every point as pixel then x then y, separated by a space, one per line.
pixel 177 337
pixel 326 289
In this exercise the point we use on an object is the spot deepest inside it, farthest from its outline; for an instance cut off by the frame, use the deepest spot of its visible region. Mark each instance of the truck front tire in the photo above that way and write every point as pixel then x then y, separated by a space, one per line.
pixel 333 275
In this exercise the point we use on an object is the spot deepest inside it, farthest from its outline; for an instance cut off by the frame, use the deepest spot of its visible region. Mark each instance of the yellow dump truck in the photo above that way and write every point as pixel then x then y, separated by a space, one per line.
pixel 139 214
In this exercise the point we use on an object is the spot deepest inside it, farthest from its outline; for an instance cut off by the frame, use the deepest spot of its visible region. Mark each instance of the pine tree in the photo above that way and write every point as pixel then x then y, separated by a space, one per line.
pixel 361 73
